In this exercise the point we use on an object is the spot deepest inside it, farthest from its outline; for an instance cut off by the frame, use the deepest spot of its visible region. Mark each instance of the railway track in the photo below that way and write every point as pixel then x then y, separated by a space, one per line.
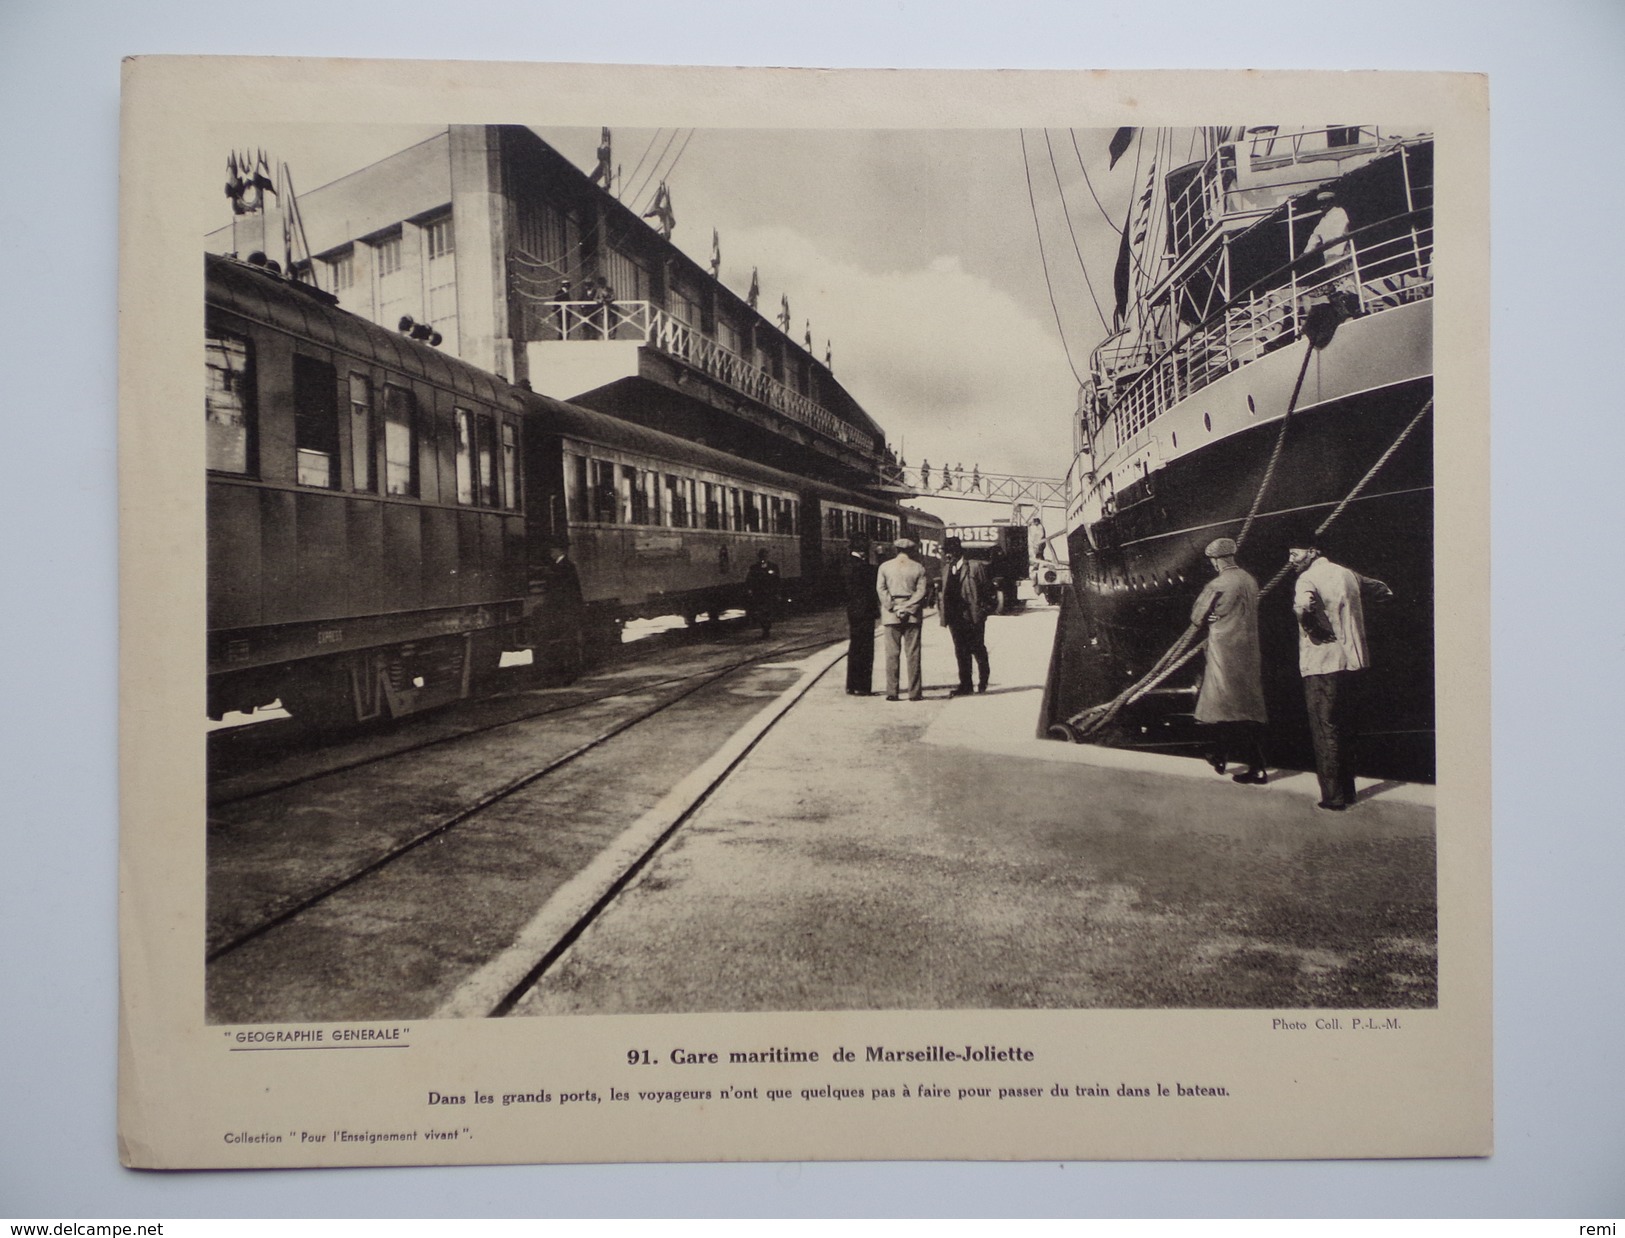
pixel 286 901
pixel 229 789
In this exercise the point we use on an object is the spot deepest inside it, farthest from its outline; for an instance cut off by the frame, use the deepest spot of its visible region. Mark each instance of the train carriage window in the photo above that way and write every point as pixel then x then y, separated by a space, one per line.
pixel 486 458
pixel 677 502
pixel 575 486
pixel 736 514
pixel 400 442
pixel 363 435
pixel 510 466
pixel 315 423
pixel 603 492
pixel 752 507
pixel 228 403
pixel 631 496
pixel 462 419
pixel 713 504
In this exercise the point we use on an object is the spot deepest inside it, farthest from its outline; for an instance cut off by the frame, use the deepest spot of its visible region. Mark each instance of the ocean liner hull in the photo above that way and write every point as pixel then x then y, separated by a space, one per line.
pixel 1193 474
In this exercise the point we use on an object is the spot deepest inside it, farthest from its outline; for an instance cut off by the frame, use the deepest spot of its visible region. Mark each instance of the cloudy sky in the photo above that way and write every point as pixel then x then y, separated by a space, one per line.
pixel 914 252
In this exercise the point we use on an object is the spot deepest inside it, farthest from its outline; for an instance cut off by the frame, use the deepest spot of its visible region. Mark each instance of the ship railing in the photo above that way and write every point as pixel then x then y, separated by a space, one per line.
pixel 1376 268
pixel 640 322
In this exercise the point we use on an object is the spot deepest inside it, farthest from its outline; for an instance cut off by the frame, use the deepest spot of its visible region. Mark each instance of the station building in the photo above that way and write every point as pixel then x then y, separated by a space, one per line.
pixel 475 233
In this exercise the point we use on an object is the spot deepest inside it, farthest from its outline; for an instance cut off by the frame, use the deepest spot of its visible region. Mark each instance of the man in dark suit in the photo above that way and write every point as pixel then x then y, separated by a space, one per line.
pixel 862 609
pixel 967 599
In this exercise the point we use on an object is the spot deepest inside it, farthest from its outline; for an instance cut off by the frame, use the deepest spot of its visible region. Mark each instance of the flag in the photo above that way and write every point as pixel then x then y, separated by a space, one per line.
pixel 601 174
pixel 755 290
pixel 1120 144
pixel 716 255
pixel 829 356
pixel 784 313
pixel 809 335
pixel 236 185
pixel 661 210
pixel 262 177
pixel 1120 281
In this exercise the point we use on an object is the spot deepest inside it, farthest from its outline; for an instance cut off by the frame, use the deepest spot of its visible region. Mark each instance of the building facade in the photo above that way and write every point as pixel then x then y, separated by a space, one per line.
pixel 528 268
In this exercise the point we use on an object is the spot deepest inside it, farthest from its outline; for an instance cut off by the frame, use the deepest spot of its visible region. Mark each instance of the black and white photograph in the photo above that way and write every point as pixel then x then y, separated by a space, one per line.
pixel 845 601
pixel 538 462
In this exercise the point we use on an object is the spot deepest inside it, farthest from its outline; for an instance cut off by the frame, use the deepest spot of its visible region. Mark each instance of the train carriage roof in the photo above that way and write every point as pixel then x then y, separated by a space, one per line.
pixel 573 421
pixel 254 293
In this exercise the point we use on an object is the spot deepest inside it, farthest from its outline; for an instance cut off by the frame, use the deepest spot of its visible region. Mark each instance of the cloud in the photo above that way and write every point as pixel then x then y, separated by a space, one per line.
pixel 938 356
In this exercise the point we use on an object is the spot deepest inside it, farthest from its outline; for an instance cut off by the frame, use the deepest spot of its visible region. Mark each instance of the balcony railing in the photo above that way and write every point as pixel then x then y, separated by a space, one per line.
pixel 640 322
pixel 1379 273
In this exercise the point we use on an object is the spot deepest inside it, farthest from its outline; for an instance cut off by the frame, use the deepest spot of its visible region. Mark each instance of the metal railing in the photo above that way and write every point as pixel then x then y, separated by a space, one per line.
pixel 640 322
pixel 927 481
pixel 1379 273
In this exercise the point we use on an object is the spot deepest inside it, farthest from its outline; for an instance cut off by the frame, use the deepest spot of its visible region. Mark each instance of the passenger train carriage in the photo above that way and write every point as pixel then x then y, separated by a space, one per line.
pixel 379 513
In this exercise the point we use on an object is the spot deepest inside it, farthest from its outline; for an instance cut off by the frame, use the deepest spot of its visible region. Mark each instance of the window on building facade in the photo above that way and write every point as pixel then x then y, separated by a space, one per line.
pixel 228 403
pixel 389 255
pixel 342 268
pixel 400 442
pixel 440 237
pixel 315 423
pixel 363 436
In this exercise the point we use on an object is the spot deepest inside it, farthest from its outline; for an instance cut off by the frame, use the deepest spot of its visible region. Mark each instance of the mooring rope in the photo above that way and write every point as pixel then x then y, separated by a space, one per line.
pixel 1080 726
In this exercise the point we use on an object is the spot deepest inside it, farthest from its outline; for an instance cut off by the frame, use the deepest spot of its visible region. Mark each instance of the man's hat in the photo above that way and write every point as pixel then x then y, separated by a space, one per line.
pixel 858 541
pixel 902 543
pixel 1221 548
pixel 952 543
pixel 1306 539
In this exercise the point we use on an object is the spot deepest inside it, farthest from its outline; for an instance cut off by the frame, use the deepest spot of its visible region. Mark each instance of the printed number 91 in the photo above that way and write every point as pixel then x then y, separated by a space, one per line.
pixel 638 1057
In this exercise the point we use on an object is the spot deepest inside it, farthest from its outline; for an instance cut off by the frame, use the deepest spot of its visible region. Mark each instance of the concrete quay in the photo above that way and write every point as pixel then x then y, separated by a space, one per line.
pixel 937 855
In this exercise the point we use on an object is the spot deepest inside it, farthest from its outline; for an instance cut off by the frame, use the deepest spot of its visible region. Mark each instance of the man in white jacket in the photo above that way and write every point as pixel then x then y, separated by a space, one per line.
pixel 1329 602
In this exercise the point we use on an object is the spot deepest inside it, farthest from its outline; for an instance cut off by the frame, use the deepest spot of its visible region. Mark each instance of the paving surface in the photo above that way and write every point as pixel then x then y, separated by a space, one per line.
pixel 937 855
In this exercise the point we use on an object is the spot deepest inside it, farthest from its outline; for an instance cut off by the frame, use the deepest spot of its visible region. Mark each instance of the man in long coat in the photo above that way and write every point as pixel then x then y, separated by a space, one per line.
pixel 764 591
pixel 1232 696
pixel 900 586
pixel 862 609
pixel 967 599
pixel 1329 602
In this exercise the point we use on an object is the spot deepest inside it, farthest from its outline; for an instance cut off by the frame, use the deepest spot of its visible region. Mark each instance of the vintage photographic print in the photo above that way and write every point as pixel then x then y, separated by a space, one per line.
pixel 761 614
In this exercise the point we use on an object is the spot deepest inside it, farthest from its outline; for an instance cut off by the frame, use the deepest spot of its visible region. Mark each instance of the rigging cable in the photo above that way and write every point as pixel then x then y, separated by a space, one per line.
pixel 1066 214
pixel 649 175
pixel 1134 254
pixel 1044 262
pixel 642 157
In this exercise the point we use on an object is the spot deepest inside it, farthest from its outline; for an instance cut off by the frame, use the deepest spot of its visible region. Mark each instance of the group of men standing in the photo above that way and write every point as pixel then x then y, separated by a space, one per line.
pixel 1328 603
pixel 896 594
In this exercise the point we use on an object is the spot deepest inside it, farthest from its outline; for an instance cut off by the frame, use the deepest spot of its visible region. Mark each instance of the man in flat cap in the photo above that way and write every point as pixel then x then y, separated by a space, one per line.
pixel 1231 700
pixel 901 586
pixel 967 600
pixel 1329 602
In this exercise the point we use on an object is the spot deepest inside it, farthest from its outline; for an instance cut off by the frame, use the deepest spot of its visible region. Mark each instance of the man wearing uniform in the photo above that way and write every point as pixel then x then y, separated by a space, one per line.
pixel 862 609
pixel 967 597
pixel 901 586
pixel 1329 602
